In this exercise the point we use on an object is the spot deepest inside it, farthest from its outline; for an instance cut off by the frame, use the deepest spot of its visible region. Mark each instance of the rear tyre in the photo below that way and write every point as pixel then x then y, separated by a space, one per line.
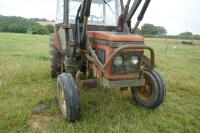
pixel 68 95
pixel 153 93
pixel 55 58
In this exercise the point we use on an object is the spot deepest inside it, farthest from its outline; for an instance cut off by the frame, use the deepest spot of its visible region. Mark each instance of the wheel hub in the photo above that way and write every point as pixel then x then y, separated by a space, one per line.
pixel 145 92
pixel 62 100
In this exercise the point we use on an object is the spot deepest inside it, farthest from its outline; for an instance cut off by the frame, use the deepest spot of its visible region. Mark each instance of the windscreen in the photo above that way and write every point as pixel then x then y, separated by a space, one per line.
pixel 102 12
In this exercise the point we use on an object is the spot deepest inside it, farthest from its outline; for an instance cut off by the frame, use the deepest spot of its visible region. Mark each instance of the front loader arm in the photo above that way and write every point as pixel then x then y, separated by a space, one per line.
pixel 141 15
pixel 124 20
pixel 86 10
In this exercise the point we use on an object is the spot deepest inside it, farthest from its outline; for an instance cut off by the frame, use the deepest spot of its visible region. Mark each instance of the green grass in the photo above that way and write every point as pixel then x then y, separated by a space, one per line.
pixel 25 82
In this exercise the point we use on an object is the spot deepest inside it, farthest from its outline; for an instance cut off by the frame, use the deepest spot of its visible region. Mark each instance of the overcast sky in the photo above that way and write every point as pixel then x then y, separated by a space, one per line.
pixel 175 15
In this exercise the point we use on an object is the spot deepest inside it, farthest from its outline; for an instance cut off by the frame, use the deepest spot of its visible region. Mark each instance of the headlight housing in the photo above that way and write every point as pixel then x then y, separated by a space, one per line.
pixel 134 60
pixel 118 61
pixel 127 63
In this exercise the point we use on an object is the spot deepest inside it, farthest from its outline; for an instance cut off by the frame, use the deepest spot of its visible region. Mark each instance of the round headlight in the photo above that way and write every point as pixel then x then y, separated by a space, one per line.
pixel 118 60
pixel 134 60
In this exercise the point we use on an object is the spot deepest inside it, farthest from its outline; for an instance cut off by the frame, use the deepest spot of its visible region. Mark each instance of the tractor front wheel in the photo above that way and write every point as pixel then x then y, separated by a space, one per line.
pixel 68 96
pixel 152 94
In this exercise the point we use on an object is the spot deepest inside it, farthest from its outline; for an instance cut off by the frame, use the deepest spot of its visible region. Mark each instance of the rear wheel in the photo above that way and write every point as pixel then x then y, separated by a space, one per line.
pixel 153 93
pixel 68 95
pixel 55 58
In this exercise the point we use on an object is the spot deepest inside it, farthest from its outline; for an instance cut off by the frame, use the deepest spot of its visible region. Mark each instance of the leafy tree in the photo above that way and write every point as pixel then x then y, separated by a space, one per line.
pixel 22 25
pixel 38 19
pixel 161 30
pixel 138 31
pixel 197 37
pixel 3 27
pixel 17 28
pixel 186 34
pixel 50 28
pixel 38 29
pixel 150 29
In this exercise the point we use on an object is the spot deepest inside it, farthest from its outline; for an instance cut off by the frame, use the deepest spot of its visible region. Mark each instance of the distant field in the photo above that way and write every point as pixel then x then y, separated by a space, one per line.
pixel 25 82
pixel 46 23
pixel 174 41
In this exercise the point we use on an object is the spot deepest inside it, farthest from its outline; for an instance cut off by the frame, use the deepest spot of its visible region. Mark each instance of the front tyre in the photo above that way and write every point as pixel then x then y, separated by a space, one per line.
pixel 153 93
pixel 68 95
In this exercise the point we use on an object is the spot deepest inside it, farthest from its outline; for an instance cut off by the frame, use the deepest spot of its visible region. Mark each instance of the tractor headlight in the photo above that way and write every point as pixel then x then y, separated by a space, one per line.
pixel 118 61
pixel 134 60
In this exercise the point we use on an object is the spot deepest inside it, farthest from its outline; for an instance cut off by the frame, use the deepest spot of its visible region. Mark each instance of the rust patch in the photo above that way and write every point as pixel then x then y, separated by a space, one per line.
pixel 115 37
pixel 66 26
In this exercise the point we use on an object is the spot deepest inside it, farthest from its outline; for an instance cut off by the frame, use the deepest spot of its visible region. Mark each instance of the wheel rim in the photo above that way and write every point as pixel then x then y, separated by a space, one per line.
pixel 62 99
pixel 147 91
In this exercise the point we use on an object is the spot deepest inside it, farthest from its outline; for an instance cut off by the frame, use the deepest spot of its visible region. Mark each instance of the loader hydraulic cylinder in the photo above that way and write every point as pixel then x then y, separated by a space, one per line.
pixel 141 15
pixel 85 22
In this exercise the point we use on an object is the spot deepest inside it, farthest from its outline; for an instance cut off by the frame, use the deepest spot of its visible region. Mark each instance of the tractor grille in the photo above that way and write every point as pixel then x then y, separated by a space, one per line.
pixel 127 67
pixel 119 70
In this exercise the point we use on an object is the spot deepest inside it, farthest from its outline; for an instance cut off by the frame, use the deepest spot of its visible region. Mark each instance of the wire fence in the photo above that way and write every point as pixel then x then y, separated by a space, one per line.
pixel 178 46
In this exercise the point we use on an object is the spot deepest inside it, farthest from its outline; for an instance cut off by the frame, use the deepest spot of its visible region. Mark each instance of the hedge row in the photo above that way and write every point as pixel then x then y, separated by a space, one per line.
pixel 23 25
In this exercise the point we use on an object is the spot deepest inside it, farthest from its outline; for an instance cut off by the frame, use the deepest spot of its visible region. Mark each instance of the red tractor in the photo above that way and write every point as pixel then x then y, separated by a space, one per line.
pixel 94 39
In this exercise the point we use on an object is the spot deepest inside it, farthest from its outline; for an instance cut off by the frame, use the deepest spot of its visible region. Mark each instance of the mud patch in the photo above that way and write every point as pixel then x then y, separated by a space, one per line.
pixel 42 106
pixel 41 121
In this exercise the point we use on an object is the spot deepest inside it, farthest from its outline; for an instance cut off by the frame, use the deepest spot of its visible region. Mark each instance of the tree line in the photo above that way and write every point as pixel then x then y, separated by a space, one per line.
pixel 150 29
pixel 17 24
pixel 22 25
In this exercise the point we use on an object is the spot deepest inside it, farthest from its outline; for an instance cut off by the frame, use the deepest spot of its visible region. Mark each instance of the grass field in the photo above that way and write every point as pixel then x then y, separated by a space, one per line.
pixel 25 82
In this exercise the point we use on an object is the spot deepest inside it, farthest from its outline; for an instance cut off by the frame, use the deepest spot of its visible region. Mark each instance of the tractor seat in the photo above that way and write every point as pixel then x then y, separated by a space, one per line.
pixel 115 36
